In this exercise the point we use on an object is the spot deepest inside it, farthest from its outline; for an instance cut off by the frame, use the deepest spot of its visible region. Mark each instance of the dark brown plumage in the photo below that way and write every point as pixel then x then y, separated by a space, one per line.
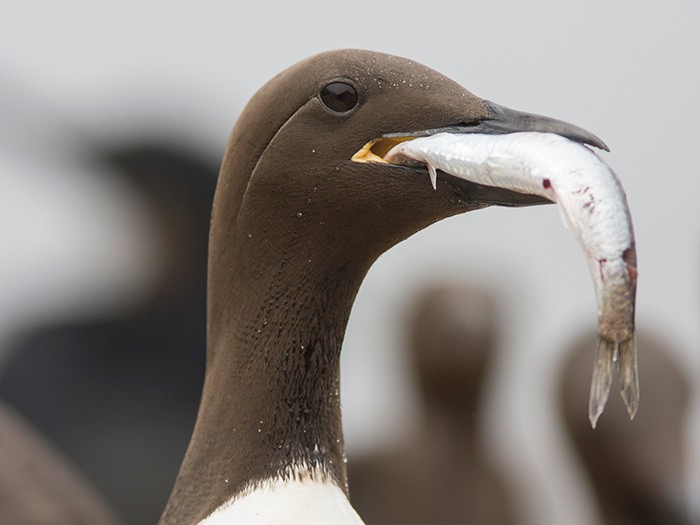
pixel 295 226
pixel 441 473
pixel 636 468
pixel 119 390
pixel 38 485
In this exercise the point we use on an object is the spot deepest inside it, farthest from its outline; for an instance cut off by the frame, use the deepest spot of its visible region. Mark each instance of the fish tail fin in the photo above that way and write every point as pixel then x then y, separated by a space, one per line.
pixel 433 176
pixel 602 379
pixel 629 376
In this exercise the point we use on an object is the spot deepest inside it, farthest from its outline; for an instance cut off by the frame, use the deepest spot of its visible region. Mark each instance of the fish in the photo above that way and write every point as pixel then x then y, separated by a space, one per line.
pixel 593 205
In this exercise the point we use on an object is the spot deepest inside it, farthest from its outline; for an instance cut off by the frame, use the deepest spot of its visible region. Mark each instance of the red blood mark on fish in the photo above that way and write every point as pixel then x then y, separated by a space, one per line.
pixel 630 258
pixel 593 204
pixel 589 205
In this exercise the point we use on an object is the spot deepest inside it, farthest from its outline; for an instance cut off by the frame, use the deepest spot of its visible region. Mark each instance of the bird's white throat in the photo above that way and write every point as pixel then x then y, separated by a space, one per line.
pixel 305 497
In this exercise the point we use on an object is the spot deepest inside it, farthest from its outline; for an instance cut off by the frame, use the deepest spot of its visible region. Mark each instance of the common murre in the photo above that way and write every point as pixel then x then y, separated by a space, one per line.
pixel 295 226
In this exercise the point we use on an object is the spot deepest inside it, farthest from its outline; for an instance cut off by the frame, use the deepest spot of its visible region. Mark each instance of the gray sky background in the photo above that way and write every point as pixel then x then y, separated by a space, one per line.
pixel 626 70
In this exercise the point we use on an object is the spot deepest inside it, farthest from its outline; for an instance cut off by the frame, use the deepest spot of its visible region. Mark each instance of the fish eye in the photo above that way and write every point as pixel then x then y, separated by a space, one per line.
pixel 339 97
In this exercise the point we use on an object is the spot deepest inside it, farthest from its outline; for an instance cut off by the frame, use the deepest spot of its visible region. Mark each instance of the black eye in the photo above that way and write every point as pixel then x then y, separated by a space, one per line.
pixel 339 97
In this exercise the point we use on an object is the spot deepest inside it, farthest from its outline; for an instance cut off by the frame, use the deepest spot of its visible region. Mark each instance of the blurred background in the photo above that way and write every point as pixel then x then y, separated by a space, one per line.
pixel 102 249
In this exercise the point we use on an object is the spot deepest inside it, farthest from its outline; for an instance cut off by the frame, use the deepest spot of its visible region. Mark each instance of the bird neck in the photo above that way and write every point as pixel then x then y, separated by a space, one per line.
pixel 452 424
pixel 270 407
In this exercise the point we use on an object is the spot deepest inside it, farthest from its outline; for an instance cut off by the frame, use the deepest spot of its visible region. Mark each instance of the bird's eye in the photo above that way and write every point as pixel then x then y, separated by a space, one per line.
pixel 339 97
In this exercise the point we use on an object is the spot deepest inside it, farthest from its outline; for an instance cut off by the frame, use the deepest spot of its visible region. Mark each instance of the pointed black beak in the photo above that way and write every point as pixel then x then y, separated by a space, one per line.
pixel 501 120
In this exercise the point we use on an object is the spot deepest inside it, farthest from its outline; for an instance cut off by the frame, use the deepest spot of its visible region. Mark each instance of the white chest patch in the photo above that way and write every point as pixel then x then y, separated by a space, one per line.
pixel 288 502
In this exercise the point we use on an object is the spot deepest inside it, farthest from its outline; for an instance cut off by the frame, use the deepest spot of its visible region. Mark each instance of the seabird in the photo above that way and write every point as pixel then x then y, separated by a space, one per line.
pixel 120 388
pixel 39 485
pixel 637 469
pixel 296 224
pixel 453 341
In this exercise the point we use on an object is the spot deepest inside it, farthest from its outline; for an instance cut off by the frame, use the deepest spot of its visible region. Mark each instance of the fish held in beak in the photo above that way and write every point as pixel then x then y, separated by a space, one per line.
pixel 593 205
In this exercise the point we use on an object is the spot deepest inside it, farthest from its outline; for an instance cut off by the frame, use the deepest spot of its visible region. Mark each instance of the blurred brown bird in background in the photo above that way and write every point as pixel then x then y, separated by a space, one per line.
pixel 38 485
pixel 119 390
pixel 440 475
pixel 636 468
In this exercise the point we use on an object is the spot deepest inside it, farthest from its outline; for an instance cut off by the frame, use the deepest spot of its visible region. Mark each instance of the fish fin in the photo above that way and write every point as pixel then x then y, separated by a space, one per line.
pixel 629 376
pixel 433 176
pixel 563 213
pixel 602 379
pixel 564 218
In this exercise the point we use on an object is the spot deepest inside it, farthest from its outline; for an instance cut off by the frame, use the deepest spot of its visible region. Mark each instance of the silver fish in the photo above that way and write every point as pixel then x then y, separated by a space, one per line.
pixel 592 203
